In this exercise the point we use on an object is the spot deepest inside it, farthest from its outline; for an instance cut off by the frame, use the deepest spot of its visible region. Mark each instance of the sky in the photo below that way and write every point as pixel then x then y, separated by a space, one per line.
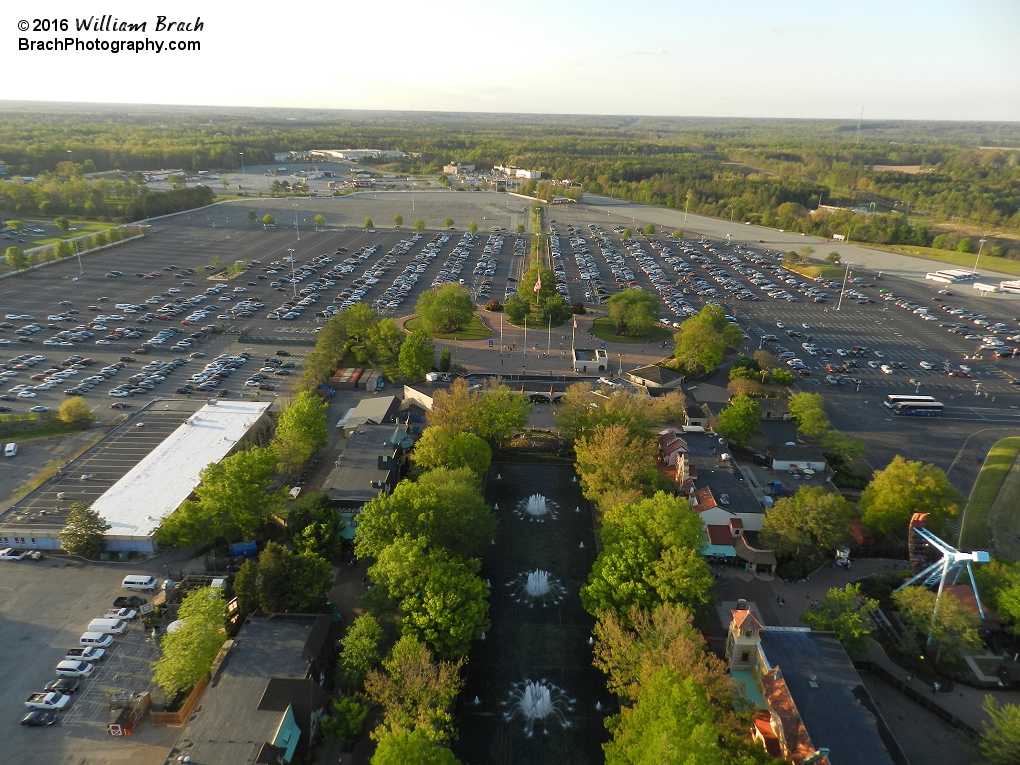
pixel 896 59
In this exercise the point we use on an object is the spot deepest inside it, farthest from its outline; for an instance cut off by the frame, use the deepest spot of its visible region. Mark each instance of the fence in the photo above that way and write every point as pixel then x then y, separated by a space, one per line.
pixel 181 716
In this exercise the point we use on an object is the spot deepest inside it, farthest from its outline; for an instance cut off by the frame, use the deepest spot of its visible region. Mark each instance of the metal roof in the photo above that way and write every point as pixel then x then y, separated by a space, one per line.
pixel 155 487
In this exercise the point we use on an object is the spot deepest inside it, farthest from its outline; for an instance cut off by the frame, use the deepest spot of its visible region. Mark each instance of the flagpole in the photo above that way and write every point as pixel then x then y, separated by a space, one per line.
pixel 525 335
pixel 548 340
pixel 501 333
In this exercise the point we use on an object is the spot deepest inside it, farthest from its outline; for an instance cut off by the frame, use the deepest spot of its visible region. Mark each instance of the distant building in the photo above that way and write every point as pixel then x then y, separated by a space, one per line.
pixel 774 408
pixel 517 172
pixel 457 168
pixel 589 360
pixel 373 410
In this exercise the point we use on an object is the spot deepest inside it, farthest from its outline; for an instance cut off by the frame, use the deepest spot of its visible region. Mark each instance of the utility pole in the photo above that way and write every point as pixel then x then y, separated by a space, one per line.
pixel 842 289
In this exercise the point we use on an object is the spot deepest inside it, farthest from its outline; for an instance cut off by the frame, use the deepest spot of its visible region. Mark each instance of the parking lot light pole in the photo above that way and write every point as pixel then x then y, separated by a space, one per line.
pixel 296 224
pixel 242 161
pixel 81 269
pixel 293 281
pixel 981 244
pixel 842 289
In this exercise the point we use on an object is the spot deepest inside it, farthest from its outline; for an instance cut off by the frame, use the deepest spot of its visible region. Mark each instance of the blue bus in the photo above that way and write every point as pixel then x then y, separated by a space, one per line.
pixel 919 408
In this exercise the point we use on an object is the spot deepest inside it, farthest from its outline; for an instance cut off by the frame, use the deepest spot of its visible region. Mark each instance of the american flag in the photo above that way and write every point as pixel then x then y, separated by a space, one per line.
pixel 538 283
pixel 575 322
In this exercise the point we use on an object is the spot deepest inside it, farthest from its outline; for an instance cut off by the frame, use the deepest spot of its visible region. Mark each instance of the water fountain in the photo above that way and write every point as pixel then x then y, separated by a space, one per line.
pixel 537 705
pixel 537 586
pixel 536 508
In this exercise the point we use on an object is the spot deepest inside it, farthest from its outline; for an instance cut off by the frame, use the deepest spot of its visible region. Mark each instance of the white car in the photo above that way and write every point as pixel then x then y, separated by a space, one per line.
pixel 926 365
pixel 965 368
pixel 26 394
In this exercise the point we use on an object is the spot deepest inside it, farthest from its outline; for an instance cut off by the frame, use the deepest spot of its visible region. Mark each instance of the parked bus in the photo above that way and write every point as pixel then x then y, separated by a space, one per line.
pixel 894 398
pixel 919 408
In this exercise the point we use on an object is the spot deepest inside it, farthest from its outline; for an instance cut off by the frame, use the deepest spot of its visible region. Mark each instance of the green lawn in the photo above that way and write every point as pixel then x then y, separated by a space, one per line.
pixel 476 330
pixel 83 227
pixel 605 329
pixel 974 526
pixel 814 270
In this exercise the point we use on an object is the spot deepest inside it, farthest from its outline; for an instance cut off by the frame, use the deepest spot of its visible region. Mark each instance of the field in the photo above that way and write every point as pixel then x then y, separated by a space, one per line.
pixel 814 271
pixel 964 259
pixel 988 515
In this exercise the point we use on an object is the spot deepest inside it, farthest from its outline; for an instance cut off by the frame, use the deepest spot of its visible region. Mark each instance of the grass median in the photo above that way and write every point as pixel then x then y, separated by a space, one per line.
pixel 605 329
pixel 978 518
pixel 475 330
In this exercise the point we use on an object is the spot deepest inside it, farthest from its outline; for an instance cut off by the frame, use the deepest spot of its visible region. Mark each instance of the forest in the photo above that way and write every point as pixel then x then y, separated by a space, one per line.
pixel 911 177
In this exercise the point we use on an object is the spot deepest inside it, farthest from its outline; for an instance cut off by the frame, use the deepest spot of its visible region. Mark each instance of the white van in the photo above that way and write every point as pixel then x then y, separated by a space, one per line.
pixel 108 626
pixel 11 449
pixel 139 582
pixel 95 640
pixel 73 668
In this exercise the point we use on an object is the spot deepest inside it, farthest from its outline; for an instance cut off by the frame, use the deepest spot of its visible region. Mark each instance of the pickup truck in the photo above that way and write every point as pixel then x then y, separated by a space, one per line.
pixel 9 553
pixel 50 701
pixel 91 653
pixel 121 613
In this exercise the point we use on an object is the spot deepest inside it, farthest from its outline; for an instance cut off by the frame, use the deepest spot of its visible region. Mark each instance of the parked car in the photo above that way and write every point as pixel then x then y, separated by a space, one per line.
pixel 50 700
pixel 39 718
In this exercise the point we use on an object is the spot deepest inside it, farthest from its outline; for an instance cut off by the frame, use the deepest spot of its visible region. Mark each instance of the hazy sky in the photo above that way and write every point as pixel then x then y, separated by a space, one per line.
pixel 910 59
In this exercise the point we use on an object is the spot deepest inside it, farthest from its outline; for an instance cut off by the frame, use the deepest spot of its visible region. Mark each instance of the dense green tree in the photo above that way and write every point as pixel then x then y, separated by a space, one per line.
pixel 252 215
pixel 419 225
pixel 582 409
pixel 439 447
pixel 516 309
pixel 740 420
pixel 807 523
pixel 367 224
pixel 906 487
pixel 300 432
pixel 651 554
pixel 846 612
pixel 614 466
pixel 1000 740
pixel 671 724
pixel 415 691
pixel 444 506
pixel 63 249
pixel 398 221
pixel 629 651
pixel 347 719
pixel 808 411
pixel 323 538
pixel 319 220
pixel 62 223
pixel 232 501
pixel 953 627
pixel 472 227
pixel 844 447
pixel 188 652
pixel 76 411
pixel 417 356
pixel 292 582
pixel 16 259
pixel 633 312
pixel 84 532
pixel 448 222
pixel 246 587
pixel 268 220
pixel 649 230
pixel 359 649
pixel 411 747
pixel 445 310
pixel 501 413
pixel 703 339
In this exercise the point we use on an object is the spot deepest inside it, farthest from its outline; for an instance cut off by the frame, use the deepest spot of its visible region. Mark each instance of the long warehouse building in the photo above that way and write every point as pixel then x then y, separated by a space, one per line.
pixel 138 502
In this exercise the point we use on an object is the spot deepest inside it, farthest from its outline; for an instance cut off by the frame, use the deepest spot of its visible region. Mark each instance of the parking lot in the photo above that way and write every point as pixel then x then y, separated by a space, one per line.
pixel 44 607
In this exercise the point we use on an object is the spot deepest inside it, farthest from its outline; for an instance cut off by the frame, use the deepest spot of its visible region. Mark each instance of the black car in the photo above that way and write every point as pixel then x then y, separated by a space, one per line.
pixel 39 718
pixel 63 685
pixel 129 601
pixel 283 353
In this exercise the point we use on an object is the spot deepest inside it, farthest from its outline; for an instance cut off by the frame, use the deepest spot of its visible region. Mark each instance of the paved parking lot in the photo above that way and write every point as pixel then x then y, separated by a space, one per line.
pixel 44 606
pixel 88 477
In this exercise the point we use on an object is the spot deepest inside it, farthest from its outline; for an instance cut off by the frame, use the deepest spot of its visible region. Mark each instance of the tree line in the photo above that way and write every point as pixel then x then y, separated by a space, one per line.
pixel 425 601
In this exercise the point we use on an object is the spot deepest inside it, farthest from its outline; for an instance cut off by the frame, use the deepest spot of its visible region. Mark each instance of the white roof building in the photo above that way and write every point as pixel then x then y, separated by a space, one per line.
pixel 136 505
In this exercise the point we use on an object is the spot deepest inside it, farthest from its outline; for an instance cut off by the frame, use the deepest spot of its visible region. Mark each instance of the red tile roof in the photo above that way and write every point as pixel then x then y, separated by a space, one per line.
pixel 704 499
pixel 719 535
pixel 794 736
pixel 745 619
